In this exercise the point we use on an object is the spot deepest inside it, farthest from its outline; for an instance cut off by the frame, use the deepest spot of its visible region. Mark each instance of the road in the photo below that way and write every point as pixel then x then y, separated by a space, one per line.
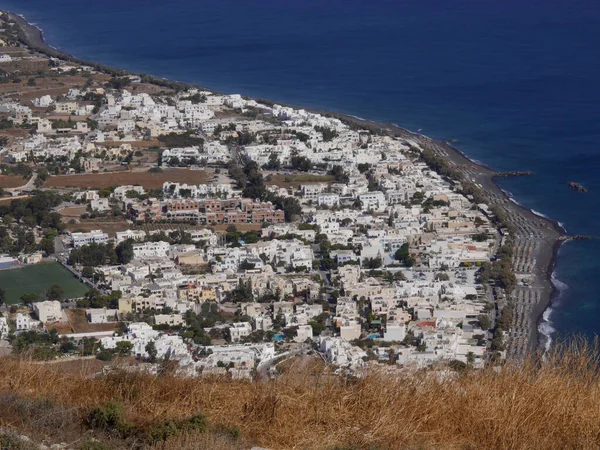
pixel 30 185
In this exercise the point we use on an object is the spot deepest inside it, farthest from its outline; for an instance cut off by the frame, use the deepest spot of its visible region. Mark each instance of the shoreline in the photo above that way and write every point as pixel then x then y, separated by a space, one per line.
pixel 534 231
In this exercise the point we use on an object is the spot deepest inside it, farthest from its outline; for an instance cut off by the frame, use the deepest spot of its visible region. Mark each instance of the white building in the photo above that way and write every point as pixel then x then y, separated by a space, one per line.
pixel 101 315
pixel 373 200
pixel 239 330
pixel 158 249
pixel 303 333
pixel 24 322
pixel 328 200
pixel 3 328
pixel 136 235
pixel 48 311
pixel 394 332
pixel 97 236
pixel 169 319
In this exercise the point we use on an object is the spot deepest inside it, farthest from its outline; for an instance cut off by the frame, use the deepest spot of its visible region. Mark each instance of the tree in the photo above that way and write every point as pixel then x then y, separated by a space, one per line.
pixel 152 352
pixel 30 298
pixel 457 365
pixel 273 163
pixel 363 167
pixel 338 173
pixel 399 276
pixel 125 251
pixel 372 263
pixel 2 296
pixel 301 163
pixel 124 348
pixel 56 292
pixel 480 237
pixel 484 321
pixel 290 206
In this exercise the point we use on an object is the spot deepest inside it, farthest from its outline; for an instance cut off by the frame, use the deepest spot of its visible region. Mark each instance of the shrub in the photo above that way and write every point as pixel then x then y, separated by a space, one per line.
pixel 110 417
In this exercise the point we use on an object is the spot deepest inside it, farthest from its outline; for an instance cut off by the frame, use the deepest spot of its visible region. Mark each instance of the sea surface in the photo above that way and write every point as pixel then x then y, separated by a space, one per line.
pixel 516 83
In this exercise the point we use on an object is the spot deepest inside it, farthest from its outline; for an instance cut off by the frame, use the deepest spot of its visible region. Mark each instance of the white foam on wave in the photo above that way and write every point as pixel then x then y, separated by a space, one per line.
pixel 562 225
pixel 546 328
pixel 514 201
pixel 537 213
pixel 357 117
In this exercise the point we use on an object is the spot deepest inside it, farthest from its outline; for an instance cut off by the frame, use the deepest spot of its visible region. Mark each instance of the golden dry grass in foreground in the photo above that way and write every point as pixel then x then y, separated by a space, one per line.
pixel 554 404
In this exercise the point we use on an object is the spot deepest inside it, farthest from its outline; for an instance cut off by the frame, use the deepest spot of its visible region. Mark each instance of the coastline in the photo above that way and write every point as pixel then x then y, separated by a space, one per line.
pixel 534 231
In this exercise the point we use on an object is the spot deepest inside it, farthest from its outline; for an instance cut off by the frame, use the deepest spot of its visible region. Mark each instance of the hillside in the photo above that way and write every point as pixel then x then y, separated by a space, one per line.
pixel 553 404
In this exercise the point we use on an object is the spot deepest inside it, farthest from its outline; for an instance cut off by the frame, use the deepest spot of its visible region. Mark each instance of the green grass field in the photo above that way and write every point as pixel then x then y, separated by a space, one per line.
pixel 36 279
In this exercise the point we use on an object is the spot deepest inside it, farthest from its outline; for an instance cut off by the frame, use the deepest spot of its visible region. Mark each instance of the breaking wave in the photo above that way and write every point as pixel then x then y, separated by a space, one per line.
pixel 546 328
pixel 537 213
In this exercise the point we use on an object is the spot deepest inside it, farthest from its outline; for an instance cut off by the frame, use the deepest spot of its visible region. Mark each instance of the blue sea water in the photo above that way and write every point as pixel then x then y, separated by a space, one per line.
pixel 515 82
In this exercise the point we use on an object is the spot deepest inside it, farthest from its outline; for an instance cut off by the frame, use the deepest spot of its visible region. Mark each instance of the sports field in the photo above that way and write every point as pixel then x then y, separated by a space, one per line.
pixel 36 279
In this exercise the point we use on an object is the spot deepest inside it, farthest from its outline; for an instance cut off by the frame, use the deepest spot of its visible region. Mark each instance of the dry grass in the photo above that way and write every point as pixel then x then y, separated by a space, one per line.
pixel 296 180
pixel 9 200
pixel 134 144
pixel 79 323
pixel 242 227
pixel 72 211
pixel 11 181
pixel 554 404
pixel 108 227
pixel 147 179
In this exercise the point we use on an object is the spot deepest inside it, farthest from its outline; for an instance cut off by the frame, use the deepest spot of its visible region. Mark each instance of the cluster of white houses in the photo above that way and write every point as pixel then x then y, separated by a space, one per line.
pixel 398 245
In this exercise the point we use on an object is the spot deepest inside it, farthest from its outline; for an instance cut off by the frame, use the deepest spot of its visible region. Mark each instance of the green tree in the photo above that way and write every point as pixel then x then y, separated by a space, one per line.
pixel 125 251
pixel 56 292
pixel 484 321
pixel 338 173
pixel 2 296
pixel 124 348
pixel 152 352
pixel 30 298
pixel 273 163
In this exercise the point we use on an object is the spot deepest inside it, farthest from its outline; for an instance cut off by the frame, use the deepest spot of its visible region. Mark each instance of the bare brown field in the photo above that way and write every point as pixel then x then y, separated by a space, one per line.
pixel 67 117
pixel 134 144
pixel 61 328
pixel 53 85
pixel 26 96
pixel 72 211
pixel 11 134
pixel 9 200
pixel 79 323
pixel 108 227
pixel 146 179
pixel 296 180
pixel 148 88
pixel 16 132
pixel 239 226
pixel 11 181
pixel 15 51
